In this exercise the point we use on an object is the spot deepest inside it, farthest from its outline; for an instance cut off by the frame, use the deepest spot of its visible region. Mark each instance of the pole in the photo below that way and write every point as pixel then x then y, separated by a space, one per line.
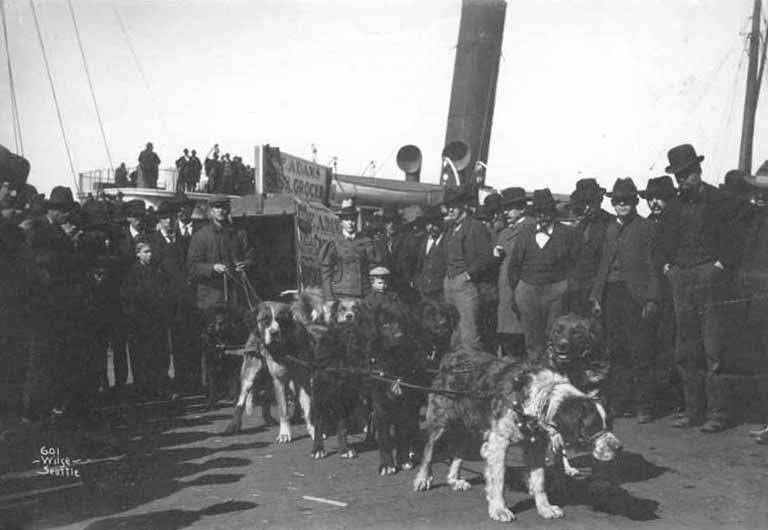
pixel 752 91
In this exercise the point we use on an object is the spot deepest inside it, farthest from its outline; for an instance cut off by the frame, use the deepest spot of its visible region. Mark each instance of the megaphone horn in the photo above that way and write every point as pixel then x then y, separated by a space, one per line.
pixel 409 161
pixel 458 153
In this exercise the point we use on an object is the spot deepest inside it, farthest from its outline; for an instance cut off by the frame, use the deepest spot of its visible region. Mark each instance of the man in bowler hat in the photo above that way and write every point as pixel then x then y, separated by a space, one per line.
pixel 539 266
pixel 586 201
pixel 700 257
pixel 627 288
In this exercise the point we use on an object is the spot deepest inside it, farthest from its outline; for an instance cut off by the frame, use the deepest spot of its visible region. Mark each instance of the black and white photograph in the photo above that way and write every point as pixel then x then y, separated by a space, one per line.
pixel 394 264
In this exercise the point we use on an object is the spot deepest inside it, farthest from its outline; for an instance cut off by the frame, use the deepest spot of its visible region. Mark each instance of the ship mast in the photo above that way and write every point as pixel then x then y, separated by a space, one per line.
pixel 754 76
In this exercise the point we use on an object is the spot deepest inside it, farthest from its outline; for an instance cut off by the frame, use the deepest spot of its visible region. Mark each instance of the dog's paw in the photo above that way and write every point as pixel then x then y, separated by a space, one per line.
pixel 284 438
pixel 421 483
pixel 407 465
pixel 459 484
pixel 551 512
pixel 387 470
pixel 319 454
pixel 349 453
pixel 571 471
pixel 232 428
pixel 501 514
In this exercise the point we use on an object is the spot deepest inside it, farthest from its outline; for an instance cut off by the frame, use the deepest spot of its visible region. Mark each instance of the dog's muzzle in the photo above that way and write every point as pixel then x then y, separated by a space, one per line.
pixel 605 446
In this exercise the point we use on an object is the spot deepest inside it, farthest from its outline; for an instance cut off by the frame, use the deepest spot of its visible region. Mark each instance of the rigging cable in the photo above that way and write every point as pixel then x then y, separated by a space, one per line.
pixel 55 99
pixel 90 86
pixel 143 75
pixel 14 104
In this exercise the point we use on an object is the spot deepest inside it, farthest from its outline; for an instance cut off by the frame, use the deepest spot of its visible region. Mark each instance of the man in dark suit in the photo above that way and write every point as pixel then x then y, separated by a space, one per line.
pixel 468 256
pixel 134 212
pixel 149 163
pixel 430 265
pixel 701 254
pixel 627 287
pixel 586 203
pixel 182 171
pixel 170 253
pixel 185 226
pixel 538 270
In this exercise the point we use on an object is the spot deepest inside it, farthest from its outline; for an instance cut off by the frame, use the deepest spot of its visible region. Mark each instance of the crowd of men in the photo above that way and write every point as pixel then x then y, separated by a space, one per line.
pixel 671 290
pixel 78 280
pixel 224 174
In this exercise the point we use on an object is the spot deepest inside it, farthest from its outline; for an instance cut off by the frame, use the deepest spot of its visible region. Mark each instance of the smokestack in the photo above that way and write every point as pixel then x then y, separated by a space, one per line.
pixel 409 161
pixel 473 92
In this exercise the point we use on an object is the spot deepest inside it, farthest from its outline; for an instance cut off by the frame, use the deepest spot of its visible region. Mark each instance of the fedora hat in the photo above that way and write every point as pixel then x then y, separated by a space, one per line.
pixel 682 157
pixel 512 197
pixel 760 178
pixel 459 196
pixel 735 182
pixel 623 189
pixel 390 214
pixel 167 209
pixel 587 190
pixel 95 214
pixel 181 199
pixel 134 208
pixel 484 213
pixel 60 199
pixel 543 201
pixel 659 188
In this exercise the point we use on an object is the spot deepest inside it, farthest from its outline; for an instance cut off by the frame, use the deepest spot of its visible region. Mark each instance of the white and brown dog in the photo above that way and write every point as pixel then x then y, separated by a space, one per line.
pixel 501 399
pixel 276 334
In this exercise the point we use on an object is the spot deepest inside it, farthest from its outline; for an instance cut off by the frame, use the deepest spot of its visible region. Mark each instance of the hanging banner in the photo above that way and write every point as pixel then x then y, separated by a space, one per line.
pixel 315 225
pixel 284 173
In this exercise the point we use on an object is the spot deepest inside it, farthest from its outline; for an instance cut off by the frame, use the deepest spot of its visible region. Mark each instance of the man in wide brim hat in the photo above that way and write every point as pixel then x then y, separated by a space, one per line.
pixel 543 202
pixel 735 182
pixel 659 188
pixel 513 197
pixel 587 191
pixel 60 199
pixel 683 158
pixel 167 209
pixel 624 192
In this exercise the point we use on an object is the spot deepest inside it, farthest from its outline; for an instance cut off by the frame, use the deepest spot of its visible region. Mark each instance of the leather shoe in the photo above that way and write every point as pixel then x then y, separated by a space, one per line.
pixel 713 426
pixel 684 422
pixel 644 417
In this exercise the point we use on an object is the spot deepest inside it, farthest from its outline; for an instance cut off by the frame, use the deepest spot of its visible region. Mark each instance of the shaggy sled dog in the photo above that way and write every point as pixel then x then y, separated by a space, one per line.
pixel 501 392
pixel 277 333
pixel 338 388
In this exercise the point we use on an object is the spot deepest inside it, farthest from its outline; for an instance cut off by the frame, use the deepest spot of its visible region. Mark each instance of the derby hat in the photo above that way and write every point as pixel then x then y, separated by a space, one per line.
pixel 682 157
pixel 347 209
pixel 95 214
pixel 60 199
pixel 219 200
pixel 760 178
pixel 432 215
pixel 492 202
pixel 134 208
pixel 459 197
pixel 167 209
pixel 587 190
pixel 543 201
pixel 513 197
pixel 623 189
pixel 659 188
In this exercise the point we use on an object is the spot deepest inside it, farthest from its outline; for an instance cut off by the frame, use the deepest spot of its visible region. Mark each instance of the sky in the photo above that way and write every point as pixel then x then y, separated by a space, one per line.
pixel 586 88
